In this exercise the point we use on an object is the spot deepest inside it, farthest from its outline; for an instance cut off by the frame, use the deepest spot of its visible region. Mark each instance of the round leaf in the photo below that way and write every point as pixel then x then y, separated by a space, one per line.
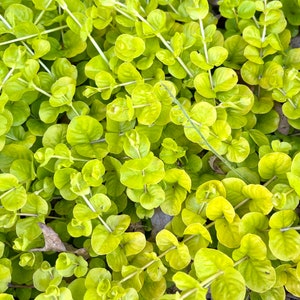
pixel 83 130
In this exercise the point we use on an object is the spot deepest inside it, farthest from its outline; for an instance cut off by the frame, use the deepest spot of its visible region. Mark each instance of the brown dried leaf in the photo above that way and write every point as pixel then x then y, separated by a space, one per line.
pixel 52 240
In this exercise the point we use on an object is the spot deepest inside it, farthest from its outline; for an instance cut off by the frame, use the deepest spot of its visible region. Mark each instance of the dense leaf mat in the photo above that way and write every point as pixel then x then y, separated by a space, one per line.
pixel 149 149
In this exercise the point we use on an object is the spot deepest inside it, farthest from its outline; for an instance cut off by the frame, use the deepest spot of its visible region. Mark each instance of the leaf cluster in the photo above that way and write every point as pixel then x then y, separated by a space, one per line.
pixel 149 149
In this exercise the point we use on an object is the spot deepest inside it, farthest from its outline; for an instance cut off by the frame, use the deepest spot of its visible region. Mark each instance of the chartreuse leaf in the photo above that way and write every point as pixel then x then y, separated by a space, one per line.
pixel 284 197
pixel 209 190
pixel 224 79
pixel 272 76
pixel 178 184
pixel 147 106
pixel 228 233
pixel 230 285
pixel 83 130
pixel 170 151
pixel 138 172
pixel 152 196
pixel 234 188
pixel 117 259
pixel 294 175
pixel 238 150
pixel 62 180
pixel 209 262
pixel 83 213
pixel 292 283
pixel 120 109
pixel 5 277
pixel 186 283
pixel 167 241
pixel 204 113
pixel 78 185
pixel 128 47
pixel 201 237
pixel 203 86
pixel 133 243
pixel 7 182
pixel 251 247
pixel 45 276
pixel 97 283
pixel 68 264
pixel 284 241
pixel 260 198
pixel 220 207
pixel 83 134
pixel 136 145
pixel 259 275
pixel 77 228
pixel 93 172
pixel 62 91
pixel 104 241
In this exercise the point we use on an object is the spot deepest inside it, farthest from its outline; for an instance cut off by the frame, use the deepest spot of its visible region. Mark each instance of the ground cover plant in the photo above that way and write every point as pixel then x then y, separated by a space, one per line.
pixel 149 149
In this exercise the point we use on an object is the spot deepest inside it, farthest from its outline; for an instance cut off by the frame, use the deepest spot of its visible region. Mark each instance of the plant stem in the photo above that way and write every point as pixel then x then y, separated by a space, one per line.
pixel 91 207
pixel 9 73
pixel 206 52
pixel 189 293
pixel 290 228
pixel 210 147
pixel 42 12
pixel 270 180
pixel 30 36
pixel 25 45
pixel 162 39
pixel 65 7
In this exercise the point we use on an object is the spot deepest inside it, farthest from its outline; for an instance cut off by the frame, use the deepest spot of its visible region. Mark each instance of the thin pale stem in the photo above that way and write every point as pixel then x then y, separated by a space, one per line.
pixel 64 6
pixel 30 36
pixel 209 146
pixel 39 17
pixel 205 52
pixel 290 228
pixel 91 207
pixel 7 76
pixel 162 39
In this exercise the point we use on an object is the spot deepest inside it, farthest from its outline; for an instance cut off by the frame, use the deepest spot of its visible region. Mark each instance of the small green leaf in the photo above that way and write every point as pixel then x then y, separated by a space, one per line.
pixel 259 275
pixel 186 283
pixel 197 10
pixel 230 285
pixel 260 198
pixel 252 247
pixel 7 182
pixel 14 199
pixel 83 130
pixel 217 55
pixel 5 277
pixel 204 113
pixel 93 172
pixel 208 262
pixel 103 242
pixel 220 207
pixel 224 79
pixel 228 233
pixel 136 145
pixel 120 109
pixel 246 9
pixel 285 245
pixel 252 36
pixel 203 85
pixel 137 172
pixel 128 47
pixel 133 243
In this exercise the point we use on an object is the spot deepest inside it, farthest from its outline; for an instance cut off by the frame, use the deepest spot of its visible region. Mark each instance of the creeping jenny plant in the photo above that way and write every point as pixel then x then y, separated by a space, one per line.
pixel 116 116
